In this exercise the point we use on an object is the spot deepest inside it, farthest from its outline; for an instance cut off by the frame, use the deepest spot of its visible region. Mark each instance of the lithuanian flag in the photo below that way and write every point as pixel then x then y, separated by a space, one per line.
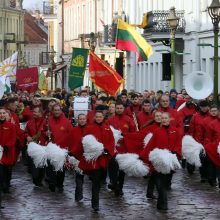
pixel 130 40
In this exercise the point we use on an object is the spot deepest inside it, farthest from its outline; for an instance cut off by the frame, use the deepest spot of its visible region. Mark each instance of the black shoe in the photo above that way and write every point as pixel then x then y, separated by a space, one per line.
pixel 163 208
pixel 95 209
pixel 60 189
pixel 169 187
pixel 119 192
pixel 6 190
pixel 52 188
pixel 212 182
pixel 36 183
pixel 2 207
pixel 78 198
pixel 110 186
pixel 183 163
pixel 151 196
pixel 202 180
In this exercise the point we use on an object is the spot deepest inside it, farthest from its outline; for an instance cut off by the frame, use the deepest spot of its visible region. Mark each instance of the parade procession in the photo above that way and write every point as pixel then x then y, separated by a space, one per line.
pixel 109 109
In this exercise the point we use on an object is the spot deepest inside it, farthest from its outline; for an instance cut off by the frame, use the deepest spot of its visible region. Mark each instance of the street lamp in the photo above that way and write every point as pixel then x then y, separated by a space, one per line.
pixel 173 22
pixel 51 57
pixel 214 13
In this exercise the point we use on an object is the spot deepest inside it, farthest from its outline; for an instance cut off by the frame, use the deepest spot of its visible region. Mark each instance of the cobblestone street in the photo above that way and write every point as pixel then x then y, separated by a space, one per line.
pixel 188 199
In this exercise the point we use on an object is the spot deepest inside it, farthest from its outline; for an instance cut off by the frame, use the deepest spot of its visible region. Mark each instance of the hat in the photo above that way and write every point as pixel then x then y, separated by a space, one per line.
pixel 203 103
pixel 173 90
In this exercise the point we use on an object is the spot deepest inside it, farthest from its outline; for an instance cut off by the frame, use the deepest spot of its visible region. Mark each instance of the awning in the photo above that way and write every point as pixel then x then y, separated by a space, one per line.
pixel 60 67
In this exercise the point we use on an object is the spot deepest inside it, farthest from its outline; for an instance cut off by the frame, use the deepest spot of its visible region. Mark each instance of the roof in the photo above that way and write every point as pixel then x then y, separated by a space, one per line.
pixel 33 33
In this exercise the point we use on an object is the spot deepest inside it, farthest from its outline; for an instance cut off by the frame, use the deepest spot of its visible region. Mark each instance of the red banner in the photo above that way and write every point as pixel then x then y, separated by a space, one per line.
pixel 27 79
pixel 103 75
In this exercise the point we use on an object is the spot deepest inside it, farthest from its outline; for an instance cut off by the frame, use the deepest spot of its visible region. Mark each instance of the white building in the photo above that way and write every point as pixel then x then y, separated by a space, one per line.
pixel 198 29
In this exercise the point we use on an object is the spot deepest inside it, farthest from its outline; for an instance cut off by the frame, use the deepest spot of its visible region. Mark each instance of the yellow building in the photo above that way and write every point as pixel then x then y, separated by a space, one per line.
pixel 11 28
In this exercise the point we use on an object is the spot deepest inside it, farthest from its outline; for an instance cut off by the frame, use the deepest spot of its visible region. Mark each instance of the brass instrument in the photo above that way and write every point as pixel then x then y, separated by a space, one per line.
pixel 135 120
pixel 48 128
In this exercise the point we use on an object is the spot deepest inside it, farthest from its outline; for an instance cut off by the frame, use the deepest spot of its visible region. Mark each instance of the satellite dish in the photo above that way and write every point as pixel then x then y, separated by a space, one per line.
pixel 199 85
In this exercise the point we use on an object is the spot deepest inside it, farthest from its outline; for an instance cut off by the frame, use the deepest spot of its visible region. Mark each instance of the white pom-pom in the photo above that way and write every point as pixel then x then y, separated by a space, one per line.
pixel 147 138
pixel 1 152
pixel 92 148
pixel 75 163
pixel 164 161
pixel 218 150
pixel 191 150
pixel 117 134
pixel 38 153
pixel 132 165
pixel 56 156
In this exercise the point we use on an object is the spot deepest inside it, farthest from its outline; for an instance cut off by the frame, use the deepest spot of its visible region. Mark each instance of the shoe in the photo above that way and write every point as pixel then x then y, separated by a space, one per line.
pixel 151 196
pixel 162 208
pixel 212 182
pixel 78 198
pixel 95 209
pixel 36 183
pixel 2 207
pixel 202 180
pixel 169 187
pixel 60 189
pixel 110 186
pixel 6 190
pixel 119 192
pixel 52 188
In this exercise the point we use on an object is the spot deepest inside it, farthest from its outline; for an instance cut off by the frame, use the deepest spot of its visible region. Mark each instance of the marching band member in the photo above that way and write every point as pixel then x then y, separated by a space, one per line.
pixel 60 133
pixel 196 130
pixel 7 150
pixel 76 150
pixel 125 124
pixel 165 137
pixel 96 167
pixel 145 116
pixel 35 133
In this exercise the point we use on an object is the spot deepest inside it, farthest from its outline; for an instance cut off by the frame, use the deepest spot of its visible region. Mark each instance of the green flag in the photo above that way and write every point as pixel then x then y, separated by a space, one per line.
pixel 42 82
pixel 77 67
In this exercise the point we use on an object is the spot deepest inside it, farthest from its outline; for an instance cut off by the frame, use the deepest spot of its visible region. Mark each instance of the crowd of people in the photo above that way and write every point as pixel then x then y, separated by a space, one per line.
pixel 167 116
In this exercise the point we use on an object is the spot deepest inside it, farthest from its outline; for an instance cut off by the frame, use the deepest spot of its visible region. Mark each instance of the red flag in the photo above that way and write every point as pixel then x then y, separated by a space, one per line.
pixel 103 75
pixel 27 79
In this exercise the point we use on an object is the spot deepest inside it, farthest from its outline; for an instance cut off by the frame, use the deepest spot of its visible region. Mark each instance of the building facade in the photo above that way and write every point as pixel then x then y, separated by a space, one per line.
pixel 11 28
pixel 198 29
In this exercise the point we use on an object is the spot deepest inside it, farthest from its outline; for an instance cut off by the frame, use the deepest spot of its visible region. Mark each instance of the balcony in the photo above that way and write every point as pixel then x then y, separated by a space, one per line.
pixel 157 27
pixel 49 10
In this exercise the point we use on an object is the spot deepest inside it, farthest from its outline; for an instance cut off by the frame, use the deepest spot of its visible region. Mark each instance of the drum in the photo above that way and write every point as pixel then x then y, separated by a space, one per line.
pixel 81 105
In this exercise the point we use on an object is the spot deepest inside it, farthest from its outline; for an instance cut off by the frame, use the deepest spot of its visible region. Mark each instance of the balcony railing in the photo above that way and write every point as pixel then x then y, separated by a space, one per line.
pixel 49 9
pixel 157 23
pixel 44 58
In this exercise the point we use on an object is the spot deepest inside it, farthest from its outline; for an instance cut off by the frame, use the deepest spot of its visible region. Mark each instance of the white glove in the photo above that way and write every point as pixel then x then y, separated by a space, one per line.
pixel 218 149
pixel 1 151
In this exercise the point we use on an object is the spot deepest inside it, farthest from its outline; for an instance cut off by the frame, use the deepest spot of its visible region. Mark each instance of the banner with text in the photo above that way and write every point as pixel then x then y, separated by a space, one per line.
pixel 77 67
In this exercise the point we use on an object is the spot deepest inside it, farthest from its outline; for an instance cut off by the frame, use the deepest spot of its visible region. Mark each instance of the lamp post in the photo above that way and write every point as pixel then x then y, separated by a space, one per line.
pixel 173 22
pixel 214 13
pixel 51 57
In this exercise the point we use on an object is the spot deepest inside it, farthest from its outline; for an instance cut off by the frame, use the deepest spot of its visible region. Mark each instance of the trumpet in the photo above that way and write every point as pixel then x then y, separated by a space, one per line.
pixel 135 120
pixel 48 128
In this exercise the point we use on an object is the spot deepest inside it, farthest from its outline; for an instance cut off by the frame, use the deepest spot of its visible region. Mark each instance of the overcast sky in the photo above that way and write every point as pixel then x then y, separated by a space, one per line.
pixel 33 4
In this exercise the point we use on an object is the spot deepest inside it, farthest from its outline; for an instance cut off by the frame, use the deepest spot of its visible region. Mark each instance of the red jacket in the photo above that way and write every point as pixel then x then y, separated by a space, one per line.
pixel 130 109
pixel 163 138
pixel 196 129
pixel 207 126
pixel 8 142
pixel 27 114
pixel 104 135
pixel 134 141
pixel 213 132
pixel 35 126
pixel 61 130
pixel 143 118
pixel 211 150
pixel 126 125
pixel 76 148
pixel 90 117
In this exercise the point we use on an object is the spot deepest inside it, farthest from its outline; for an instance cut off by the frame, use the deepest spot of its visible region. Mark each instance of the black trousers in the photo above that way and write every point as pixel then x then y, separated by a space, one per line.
pixel 1 182
pixel 54 178
pixel 162 183
pixel 37 174
pixel 6 174
pixel 207 170
pixel 116 176
pixel 79 180
pixel 96 177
